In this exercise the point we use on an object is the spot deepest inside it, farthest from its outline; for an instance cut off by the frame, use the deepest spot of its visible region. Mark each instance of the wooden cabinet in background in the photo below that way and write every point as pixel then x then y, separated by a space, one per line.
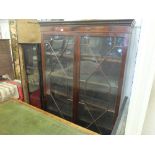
pixel 6 66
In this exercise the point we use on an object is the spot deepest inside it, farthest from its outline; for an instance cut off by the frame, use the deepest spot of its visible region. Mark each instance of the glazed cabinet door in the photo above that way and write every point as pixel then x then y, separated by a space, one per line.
pixel 32 59
pixel 59 56
pixel 100 70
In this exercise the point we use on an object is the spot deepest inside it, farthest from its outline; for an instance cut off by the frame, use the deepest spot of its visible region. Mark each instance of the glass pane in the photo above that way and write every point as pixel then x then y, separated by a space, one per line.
pixel 59 74
pixel 32 71
pixel 99 74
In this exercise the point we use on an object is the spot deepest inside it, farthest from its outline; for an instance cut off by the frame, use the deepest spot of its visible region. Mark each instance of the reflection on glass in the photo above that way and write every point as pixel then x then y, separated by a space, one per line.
pixel 32 71
pixel 59 74
pixel 99 74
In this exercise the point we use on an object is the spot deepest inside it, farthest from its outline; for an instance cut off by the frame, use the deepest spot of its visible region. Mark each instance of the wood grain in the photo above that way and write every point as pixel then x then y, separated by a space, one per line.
pixel 5 58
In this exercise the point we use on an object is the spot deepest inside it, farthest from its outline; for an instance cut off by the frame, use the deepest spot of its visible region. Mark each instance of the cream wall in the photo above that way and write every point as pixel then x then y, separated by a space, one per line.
pixel 149 123
pixel 4 29
pixel 143 79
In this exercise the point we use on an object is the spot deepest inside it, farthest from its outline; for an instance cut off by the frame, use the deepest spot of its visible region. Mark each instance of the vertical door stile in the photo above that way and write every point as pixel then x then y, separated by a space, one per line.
pixel 40 76
pixel 120 83
pixel 43 75
pixel 43 66
pixel 76 78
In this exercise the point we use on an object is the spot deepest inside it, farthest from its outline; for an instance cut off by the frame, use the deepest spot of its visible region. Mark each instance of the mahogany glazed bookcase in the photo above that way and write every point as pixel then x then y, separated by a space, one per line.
pixel 83 66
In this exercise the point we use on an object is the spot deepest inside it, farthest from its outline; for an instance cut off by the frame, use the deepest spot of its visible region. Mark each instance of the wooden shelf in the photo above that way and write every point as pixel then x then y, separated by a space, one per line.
pixel 113 85
pixel 60 93
pixel 91 58
pixel 102 107
pixel 98 58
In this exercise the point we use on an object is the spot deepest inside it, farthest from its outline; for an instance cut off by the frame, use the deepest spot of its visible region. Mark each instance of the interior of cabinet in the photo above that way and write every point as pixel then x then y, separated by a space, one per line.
pixel 32 60
pixel 83 66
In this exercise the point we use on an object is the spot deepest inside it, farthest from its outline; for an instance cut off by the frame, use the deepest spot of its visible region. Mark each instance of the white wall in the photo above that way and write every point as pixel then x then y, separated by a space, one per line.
pixel 149 123
pixel 143 78
pixel 4 29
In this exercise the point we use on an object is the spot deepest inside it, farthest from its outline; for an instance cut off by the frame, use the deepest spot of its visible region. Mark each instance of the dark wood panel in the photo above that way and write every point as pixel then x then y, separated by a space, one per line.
pixel 76 79
pixel 48 34
pixel 6 70
pixel 86 29
pixel 2 52
pixel 93 26
pixel 4 65
pixel 5 58
pixel 43 67
pixel 4 46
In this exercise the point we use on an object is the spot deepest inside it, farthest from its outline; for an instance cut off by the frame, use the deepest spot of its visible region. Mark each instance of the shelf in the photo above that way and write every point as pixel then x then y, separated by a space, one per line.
pixel 59 93
pixel 91 58
pixel 88 45
pixel 102 107
pixel 100 59
pixel 100 87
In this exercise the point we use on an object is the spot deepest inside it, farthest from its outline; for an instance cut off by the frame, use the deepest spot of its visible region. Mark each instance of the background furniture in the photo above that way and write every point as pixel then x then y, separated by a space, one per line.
pixel 6 65
pixel 32 63
pixel 26 39
pixel 11 89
